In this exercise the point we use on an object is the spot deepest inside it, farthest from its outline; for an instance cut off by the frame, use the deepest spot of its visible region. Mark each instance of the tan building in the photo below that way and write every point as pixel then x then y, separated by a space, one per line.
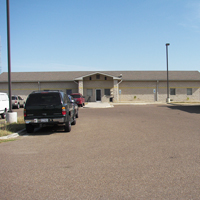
pixel 107 86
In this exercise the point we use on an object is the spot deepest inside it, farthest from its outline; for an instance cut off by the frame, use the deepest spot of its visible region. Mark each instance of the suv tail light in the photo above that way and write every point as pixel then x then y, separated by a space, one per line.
pixel 63 111
pixel 24 112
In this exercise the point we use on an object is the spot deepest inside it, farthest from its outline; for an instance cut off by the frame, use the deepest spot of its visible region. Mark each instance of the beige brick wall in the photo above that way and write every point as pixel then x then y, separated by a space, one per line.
pixel 24 89
pixel 143 91
pixel 130 90
pixel 137 91
pixel 181 91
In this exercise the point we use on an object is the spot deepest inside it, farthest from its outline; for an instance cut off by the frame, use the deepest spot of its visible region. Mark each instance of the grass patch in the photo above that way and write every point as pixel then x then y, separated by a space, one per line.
pixel 7 128
pixel 8 140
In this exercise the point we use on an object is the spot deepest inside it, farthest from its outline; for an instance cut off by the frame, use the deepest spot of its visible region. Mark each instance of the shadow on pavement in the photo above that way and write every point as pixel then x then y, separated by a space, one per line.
pixel 186 108
pixel 49 130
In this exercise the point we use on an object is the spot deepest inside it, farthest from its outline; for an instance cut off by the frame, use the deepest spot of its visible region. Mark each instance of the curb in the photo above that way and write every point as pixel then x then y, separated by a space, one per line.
pixel 14 135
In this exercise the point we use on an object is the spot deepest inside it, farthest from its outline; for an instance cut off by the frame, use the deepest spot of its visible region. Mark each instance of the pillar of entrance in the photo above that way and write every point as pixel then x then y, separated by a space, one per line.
pixel 80 87
pixel 115 91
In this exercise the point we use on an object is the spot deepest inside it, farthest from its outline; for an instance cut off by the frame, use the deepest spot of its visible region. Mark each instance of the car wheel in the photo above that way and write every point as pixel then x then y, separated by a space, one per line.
pixel 67 126
pixel 3 115
pixel 29 128
pixel 74 121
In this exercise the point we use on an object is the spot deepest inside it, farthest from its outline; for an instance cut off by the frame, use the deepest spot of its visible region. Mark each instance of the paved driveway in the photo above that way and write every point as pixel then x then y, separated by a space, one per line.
pixel 125 152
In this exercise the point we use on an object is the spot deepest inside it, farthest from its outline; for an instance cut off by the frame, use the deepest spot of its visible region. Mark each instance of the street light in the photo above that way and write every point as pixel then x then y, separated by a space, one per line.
pixel 9 59
pixel 10 116
pixel 168 99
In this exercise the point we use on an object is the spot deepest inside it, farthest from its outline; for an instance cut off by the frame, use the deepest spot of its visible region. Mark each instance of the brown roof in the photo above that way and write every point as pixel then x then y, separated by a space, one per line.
pixel 126 75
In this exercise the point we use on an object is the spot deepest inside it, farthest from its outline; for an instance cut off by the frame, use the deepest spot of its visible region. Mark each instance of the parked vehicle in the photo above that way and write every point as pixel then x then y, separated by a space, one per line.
pixel 4 104
pixel 75 105
pixel 17 101
pixel 80 100
pixel 48 107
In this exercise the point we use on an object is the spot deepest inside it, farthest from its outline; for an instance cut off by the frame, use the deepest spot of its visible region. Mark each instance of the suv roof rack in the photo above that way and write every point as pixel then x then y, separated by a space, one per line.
pixel 39 91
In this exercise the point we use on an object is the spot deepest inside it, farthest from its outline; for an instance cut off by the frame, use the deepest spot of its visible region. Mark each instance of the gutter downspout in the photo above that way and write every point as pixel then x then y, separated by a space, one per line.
pixel 157 90
pixel 38 85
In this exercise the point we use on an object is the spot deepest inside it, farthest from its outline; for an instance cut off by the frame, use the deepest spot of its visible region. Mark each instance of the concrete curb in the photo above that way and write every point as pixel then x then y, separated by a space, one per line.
pixel 11 136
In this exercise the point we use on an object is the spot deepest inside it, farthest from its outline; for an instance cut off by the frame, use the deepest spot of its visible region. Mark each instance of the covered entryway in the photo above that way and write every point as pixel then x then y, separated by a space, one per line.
pixel 98 95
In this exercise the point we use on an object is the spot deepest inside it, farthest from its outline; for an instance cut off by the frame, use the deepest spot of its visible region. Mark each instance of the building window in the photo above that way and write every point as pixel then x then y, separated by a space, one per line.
pixel 107 92
pixel 105 78
pixel 89 92
pixel 68 91
pixel 172 91
pixel 189 91
pixel 98 76
pixel 90 78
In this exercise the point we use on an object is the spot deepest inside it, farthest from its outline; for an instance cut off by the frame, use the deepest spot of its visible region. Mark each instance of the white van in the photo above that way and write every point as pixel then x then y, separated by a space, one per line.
pixel 4 104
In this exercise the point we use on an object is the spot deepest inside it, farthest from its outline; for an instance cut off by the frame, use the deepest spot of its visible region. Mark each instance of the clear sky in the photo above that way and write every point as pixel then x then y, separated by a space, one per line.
pixel 99 35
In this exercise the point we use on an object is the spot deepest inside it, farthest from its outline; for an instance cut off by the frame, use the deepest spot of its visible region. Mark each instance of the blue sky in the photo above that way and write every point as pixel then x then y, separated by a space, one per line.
pixel 99 35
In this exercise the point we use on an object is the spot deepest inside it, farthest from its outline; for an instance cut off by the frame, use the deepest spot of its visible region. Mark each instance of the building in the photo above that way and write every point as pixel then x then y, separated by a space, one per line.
pixel 109 86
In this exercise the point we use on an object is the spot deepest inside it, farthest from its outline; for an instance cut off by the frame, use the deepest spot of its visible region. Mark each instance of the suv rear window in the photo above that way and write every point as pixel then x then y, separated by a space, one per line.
pixel 43 99
pixel 76 96
pixel 14 98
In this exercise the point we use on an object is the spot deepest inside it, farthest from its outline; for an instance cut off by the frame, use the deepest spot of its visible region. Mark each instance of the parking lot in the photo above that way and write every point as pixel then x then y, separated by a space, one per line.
pixel 124 152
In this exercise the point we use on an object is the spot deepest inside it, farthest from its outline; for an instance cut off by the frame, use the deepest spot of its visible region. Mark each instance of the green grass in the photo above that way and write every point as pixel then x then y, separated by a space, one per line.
pixel 7 128
pixel 8 140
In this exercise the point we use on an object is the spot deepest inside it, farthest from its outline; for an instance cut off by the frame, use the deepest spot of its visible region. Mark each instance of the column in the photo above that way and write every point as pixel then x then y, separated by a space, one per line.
pixel 80 86
pixel 115 91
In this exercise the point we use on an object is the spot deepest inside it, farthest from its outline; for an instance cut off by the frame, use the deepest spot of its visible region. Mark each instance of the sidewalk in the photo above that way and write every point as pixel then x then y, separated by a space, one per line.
pixel 98 105
pixel 110 105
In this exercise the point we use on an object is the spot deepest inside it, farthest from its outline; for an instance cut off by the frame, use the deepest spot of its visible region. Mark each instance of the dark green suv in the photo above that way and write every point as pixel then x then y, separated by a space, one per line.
pixel 48 107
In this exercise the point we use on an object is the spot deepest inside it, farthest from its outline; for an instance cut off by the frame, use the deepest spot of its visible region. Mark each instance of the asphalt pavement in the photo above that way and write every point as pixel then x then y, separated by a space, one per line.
pixel 121 152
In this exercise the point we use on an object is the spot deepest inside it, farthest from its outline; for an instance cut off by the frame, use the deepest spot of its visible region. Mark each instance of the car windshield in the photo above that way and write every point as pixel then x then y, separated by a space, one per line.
pixel 14 98
pixel 43 99
pixel 76 96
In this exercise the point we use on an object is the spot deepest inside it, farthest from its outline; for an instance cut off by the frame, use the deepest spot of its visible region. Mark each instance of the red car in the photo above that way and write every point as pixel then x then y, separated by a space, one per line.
pixel 80 100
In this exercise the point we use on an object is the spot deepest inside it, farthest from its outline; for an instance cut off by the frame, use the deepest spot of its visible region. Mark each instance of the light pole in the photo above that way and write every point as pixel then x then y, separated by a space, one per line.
pixel 9 59
pixel 10 116
pixel 168 99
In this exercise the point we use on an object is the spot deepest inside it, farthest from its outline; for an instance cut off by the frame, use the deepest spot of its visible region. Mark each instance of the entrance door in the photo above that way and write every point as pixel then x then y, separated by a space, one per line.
pixel 98 95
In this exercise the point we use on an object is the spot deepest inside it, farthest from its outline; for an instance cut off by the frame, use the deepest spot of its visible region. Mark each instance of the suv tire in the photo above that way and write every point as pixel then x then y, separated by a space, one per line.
pixel 67 126
pixel 29 128
pixel 77 114
pixel 74 121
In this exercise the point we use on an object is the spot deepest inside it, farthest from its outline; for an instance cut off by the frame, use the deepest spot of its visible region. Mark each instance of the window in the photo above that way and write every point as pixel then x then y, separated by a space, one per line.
pixel 89 92
pixel 97 76
pixel 44 99
pixel 105 78
pixel 90 78
pixel 76 96
pixel 107 92
pixel 20 98
pixel 189 91
pixel 68 92
pixel 172 91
